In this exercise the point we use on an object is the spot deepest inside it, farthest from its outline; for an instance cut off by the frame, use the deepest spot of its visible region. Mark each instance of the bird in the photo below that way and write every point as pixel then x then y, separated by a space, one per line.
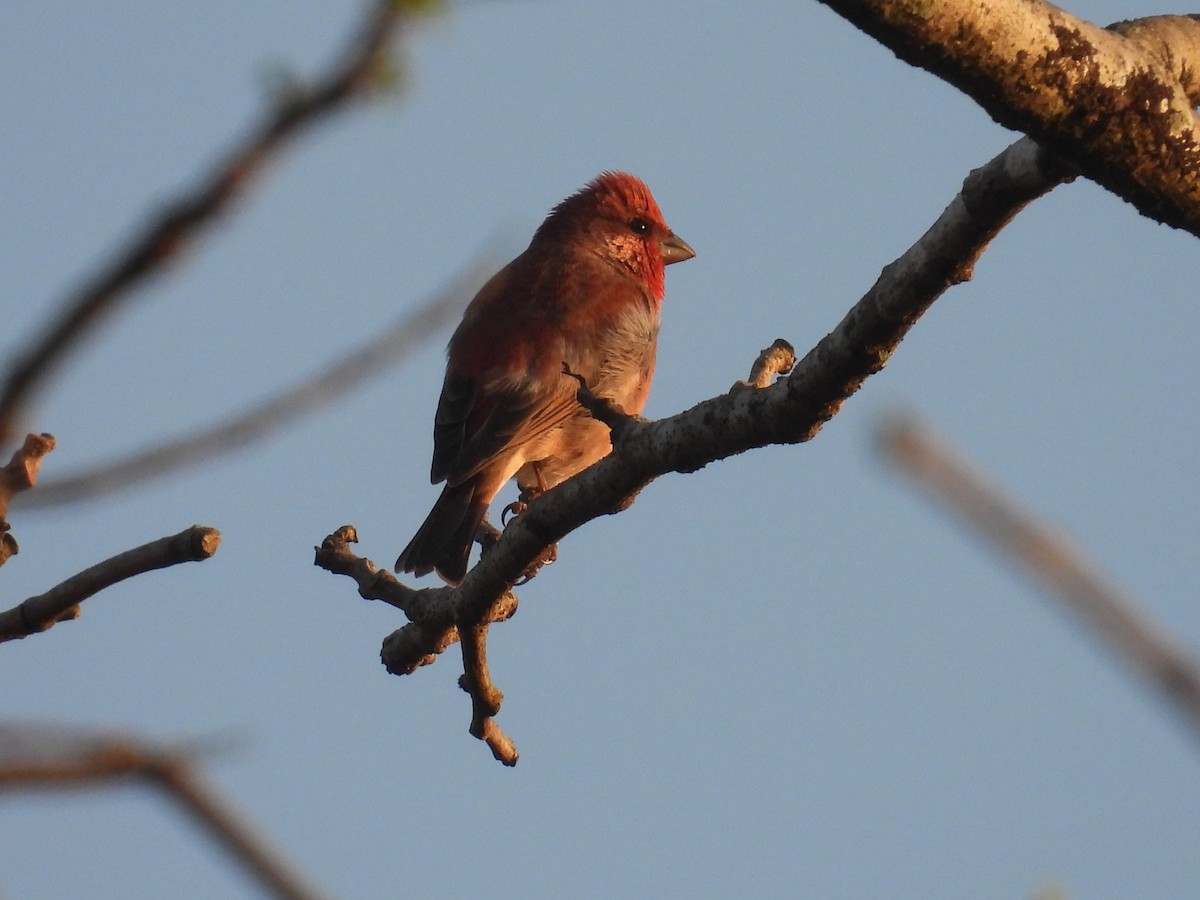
pixel 585 299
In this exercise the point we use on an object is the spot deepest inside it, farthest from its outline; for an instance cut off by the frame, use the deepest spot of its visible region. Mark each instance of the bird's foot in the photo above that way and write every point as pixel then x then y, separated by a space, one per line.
pixel 486 536
pixel 516 508
pixel 548 556
pixel 528 495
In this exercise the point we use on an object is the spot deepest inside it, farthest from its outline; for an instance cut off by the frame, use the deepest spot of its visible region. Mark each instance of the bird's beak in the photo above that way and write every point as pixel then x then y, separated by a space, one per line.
pixel 675 249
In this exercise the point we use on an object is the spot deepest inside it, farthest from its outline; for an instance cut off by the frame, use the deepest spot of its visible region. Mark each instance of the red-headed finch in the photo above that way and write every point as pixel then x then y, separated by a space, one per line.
pixel 586 292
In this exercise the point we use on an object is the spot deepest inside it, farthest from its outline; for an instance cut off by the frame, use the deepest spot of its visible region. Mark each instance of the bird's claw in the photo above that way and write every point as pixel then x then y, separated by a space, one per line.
pixel 516 508
pixel 548 556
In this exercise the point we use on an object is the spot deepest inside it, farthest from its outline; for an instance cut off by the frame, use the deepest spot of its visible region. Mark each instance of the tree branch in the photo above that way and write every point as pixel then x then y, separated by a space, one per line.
pixel 430 611
pixel 229 828
pixel 486 698
pixel 20 475
pixel 1043 553
pixel 181 222
pixel 39 755
pixel 778 359
pixel 40 613
pixel 1116 104
pixel 790 410
pixel 390 348
pixel 794 408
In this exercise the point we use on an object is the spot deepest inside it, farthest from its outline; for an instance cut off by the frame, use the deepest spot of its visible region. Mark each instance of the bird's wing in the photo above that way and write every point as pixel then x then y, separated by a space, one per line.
pixel 472 429
pixel 450 424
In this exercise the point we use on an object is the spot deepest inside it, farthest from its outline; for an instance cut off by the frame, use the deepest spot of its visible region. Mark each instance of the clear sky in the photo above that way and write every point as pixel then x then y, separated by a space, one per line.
pixel 786 675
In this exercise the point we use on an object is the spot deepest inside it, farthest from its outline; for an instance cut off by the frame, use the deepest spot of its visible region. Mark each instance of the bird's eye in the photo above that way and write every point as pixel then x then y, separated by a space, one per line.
pixel 639 226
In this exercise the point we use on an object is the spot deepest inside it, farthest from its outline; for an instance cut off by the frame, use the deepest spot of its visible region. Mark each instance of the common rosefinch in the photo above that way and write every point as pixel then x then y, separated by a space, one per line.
pixel 586 292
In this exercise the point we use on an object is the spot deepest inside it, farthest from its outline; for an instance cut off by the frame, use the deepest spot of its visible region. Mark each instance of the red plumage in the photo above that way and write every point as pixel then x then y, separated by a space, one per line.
pixel 586 292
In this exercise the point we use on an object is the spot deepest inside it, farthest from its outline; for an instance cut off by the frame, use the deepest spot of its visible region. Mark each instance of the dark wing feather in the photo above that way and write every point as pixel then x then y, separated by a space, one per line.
pixel 450 424
pixel 515 419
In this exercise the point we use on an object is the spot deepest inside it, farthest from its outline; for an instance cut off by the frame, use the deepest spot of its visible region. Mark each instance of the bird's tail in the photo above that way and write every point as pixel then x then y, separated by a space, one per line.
pixel 443 543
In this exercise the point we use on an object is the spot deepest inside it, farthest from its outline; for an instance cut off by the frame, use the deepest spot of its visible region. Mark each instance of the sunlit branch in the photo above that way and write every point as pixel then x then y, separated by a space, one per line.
pixel 61 602
pixel 391 347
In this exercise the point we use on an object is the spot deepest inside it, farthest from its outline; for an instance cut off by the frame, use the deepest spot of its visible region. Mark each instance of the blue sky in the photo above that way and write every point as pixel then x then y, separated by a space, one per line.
pixel 785 675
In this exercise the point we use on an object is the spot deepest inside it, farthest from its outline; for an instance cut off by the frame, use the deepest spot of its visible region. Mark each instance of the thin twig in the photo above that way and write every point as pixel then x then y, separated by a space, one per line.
pixel 790 410
pixel 778 359
pixel 180 223
pixel 431 613
pixel 40 613
pixel 19 475
pixel 1045 554
pixel 486 698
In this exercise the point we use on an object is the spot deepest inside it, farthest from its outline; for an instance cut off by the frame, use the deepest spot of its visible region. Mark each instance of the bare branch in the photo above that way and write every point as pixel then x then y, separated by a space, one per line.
pixel 431 612
pixel 181 222
pixel 754 414
pixel 20 475
pixel 486 698
pixel 1046 555
pixel 22 470
pixel 432 629
pixel 392 347
pixel 36 756
pixel 794 408
pixel 40 613
pixel 1116 104
pixel 778 359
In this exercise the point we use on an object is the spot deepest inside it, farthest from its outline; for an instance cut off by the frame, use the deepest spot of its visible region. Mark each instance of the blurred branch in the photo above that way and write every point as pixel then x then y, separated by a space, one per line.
pixel 1117 104
pixel 20 475
pixel 179 224
pixel 61 602
pixel 320 390
pixel 39 756
pixel 1049 557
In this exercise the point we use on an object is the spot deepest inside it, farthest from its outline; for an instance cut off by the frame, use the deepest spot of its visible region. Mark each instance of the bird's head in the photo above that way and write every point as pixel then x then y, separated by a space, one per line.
pixel 615 216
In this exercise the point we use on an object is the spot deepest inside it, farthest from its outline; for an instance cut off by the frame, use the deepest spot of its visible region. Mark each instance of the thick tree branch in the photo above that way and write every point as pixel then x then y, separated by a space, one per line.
pixel 1116 104
pixel 792 409
pixel 181 222
pixel 1042 552
pixel 39 756
pixel 61 602
pixel 752 414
